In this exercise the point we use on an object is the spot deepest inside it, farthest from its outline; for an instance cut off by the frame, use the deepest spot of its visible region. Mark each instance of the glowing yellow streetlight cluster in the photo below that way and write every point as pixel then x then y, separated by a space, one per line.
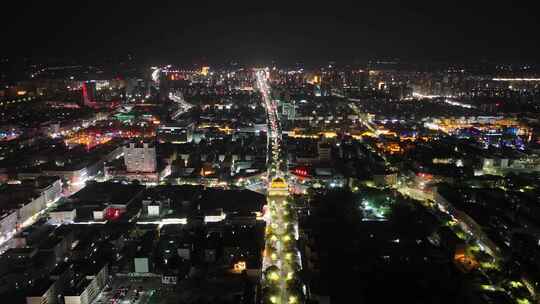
pixel 274 276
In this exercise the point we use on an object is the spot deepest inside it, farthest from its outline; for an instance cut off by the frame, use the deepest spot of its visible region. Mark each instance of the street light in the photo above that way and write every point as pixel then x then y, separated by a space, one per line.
pixel 274 276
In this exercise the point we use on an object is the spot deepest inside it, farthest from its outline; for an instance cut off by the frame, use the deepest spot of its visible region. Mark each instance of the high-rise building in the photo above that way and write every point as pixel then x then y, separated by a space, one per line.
pixel 362 79
pixel 288 110
pixel 89 93
pixel 139 158
pixel 400 91
pixel 324 150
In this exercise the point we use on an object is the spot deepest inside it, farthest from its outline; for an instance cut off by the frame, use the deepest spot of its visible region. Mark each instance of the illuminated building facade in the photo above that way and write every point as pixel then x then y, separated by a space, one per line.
pixel 140 158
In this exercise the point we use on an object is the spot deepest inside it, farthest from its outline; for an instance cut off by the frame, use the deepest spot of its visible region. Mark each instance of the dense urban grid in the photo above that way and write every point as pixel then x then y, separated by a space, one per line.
pixel 372 182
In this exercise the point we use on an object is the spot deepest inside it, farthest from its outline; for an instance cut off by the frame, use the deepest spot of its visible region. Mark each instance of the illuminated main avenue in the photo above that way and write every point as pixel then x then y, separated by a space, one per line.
pixel 281 259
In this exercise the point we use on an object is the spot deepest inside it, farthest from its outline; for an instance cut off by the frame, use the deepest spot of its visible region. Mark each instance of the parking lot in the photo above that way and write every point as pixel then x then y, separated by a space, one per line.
pixel 129 290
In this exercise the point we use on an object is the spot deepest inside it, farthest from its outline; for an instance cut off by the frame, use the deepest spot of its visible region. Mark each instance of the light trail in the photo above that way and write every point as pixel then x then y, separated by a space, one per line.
pixel 362 117
pixel 459 104
pixel 517 79
pixel 183 105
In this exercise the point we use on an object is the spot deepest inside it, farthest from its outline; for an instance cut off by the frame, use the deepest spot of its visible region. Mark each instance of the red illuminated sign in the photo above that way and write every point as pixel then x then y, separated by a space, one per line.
pixel 301 171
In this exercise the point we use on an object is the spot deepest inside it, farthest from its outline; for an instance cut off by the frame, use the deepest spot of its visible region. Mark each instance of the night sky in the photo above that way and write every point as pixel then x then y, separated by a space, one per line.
pixel 273 30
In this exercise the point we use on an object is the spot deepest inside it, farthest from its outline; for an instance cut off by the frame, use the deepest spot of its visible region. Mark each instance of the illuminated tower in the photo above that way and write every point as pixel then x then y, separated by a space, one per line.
pixel 205 70
pixel 278 187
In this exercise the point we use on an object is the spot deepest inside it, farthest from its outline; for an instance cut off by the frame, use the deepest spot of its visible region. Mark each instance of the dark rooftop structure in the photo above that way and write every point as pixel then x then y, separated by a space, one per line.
pixel 191 200
pixel 107 192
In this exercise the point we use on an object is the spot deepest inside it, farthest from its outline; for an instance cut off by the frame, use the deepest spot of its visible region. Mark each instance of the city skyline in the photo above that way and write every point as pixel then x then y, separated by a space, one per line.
pixel 266 153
